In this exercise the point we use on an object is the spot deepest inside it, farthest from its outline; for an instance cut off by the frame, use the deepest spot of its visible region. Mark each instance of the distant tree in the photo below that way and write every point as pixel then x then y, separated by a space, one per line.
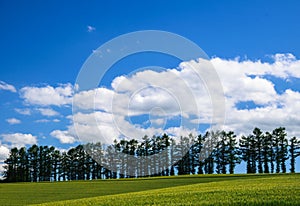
pixel 182 152
pixel 294 152
pixel 146 152
pixel 56 163
pixel 233 151
pixel 262 152
pixel 33 157
pixel 81 163
pixel 172 156
pixel 64 169
pixel 11 167
pixel 258 138
pixel 244 145
pixel 166 146
pixel 199 153
pixel 267 152
pixel 221 154
pixel 211 142
pixel 281 144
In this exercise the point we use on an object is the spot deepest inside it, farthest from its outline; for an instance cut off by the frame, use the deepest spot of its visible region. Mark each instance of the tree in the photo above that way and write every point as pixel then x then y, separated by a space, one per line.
pixel 23 166
pixel 56 163
pixel 33 155
pixel 211 142
pixel 294 152
pixel 182 153
pixel 11 167
pixel 244 144
pixel 258 138
pixel 129 158
pixel 281 144
pixel 221 154
pixel 267 152
pixel 233 151
pixel 199 153
pixel 80 161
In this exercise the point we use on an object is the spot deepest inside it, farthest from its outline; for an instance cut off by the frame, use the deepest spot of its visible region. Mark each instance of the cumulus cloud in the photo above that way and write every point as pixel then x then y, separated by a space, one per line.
pixel 63 136
pixel 48 112
pixel 99 98
pixel 13 121
pixel 246 81
pixel 179 92
pixel 8 87
pixel 144 93
pixel 48 95
pixel 19 139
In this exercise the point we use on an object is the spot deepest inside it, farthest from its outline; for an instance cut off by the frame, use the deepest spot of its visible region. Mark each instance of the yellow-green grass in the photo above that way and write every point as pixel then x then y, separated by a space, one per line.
pixel 182 190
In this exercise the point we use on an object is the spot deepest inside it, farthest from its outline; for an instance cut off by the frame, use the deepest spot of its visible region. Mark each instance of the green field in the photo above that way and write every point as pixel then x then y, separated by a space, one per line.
pixel 280 189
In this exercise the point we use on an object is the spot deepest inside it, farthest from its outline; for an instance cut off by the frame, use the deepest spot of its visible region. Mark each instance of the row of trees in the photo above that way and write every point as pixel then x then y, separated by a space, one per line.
pixel 213 152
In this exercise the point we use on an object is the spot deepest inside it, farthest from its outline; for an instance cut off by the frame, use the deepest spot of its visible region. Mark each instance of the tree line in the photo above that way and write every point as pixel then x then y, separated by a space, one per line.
pixel 213 152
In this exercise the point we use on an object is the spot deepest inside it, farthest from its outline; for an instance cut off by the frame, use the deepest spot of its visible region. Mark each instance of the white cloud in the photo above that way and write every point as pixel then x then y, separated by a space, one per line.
pixel 8 87
pixel 99 98
pixel 48 95
pixel 48 112
pixel 19 139
pixel 274 109
pixel 63 136
pixel 90 28
pixel 4 152
pixel 140 94
pixel 13 121
pixel 105 113
pixel 23 111
pixel 47 120
pixel 42 121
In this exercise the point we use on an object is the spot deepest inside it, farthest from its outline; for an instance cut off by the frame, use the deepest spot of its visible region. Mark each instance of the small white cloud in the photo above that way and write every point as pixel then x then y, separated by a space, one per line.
pixel 8 87
pixel 90 28
pixel 23 111
pixel 63 136
pixel 48 112
pixel 48 95
pixel 13 121
pixel 42 120
pixel 46 120
pixel 19 139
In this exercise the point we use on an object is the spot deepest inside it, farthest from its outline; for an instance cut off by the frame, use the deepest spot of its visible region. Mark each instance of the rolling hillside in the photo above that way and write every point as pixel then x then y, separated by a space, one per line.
pixel 280 189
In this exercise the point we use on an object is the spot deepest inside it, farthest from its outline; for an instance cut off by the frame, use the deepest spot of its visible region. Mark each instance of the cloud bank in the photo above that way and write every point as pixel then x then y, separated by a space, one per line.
pixel 177 93
pixel 175 101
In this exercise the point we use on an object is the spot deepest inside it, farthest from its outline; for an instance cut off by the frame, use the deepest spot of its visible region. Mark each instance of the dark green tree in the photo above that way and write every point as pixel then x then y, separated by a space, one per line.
pixel 281 144
pixel 258 138
pixel 233 151
pixel 294 152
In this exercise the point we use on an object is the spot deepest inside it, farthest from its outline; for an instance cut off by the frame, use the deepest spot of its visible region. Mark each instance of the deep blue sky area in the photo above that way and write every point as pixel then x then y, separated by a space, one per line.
pixel 47 41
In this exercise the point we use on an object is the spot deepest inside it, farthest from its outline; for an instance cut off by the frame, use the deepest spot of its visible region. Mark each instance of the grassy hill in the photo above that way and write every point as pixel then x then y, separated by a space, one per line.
pixel 274 189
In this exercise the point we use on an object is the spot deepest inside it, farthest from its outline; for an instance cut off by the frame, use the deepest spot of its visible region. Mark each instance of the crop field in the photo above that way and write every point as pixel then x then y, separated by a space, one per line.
pixel 273 189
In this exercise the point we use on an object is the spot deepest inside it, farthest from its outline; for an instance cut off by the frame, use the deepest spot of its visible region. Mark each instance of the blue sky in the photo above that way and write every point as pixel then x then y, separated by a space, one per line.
pixel 253 45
